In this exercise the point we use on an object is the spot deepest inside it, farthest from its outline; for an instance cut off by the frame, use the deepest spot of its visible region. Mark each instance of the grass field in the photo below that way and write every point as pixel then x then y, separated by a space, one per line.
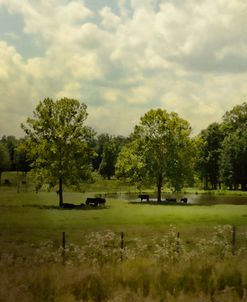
pixel 29 212
pixel 202 264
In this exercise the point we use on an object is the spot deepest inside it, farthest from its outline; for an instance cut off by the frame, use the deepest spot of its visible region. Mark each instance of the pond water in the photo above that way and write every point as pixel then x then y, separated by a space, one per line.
pixel 192 198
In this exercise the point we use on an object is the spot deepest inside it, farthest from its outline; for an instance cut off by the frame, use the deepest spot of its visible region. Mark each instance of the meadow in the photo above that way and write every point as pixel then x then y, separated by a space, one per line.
pixel 168 252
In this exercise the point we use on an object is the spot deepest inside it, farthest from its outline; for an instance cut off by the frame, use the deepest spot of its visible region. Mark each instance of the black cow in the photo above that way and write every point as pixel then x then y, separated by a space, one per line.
pixel 144 197
pixel 95 201
pixel 184 200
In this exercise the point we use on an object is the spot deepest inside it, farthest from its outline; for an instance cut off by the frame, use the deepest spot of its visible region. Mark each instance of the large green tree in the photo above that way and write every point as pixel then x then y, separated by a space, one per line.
pixel 235 119
pixel 208 164
pixel 58 143
pixel 233 162
pixel 161 151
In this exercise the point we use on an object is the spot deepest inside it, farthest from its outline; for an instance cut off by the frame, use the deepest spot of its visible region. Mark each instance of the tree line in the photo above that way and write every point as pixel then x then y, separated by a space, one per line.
pixel 12 158
pixel 223 152
pixel 61 149
pixel 106 147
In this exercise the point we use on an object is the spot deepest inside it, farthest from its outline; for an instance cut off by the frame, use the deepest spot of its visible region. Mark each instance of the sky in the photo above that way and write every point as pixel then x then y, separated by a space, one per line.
pixel 123 58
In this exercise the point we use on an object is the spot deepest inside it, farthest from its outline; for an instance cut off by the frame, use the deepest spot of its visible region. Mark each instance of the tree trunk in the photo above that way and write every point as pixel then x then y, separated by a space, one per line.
pixel 60 192
pixel 0 177
pixel 158 193
pixel 206 183
pixel 159 186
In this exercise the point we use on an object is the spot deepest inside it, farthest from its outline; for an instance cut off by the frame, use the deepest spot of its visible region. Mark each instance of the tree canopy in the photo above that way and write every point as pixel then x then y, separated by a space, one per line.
pixel 58 143
pixel 61 149
pixel 223 154
pixel 233 161
pixel 111 148
pixel 160 151
pixel 209 159
pixel 11 143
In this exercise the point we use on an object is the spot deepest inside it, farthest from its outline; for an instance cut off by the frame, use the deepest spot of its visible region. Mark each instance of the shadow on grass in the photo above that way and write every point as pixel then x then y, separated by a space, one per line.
pixel 75 207
pixel 175 204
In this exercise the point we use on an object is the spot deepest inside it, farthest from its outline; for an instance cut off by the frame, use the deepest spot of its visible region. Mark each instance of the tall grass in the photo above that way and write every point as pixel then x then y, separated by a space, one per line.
pixel 161 270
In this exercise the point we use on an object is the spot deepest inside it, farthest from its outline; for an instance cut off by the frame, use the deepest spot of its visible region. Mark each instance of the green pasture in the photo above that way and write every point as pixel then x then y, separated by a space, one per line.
pixel 31 260
pixel 30 217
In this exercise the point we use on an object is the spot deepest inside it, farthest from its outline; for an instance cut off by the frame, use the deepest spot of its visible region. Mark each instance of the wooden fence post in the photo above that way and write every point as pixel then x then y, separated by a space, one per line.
pixel 63 247
pixel 233 239
pixel 122 246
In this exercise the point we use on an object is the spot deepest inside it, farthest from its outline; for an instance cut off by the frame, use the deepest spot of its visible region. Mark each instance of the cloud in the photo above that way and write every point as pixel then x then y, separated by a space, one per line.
pixel 14 88
pixel 184 56
pixel 49 18
pixel 109 19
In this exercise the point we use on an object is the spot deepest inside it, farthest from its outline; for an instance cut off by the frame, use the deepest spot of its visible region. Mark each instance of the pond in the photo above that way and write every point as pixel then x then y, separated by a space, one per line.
pixel 204 199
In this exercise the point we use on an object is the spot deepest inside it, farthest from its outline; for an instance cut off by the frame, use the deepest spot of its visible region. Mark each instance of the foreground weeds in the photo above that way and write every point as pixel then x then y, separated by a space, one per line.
pixel 163 269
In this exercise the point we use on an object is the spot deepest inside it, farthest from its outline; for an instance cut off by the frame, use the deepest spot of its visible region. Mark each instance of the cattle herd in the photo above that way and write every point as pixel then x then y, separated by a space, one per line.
pixel 90 201
pixel 145 197
pixel 96 201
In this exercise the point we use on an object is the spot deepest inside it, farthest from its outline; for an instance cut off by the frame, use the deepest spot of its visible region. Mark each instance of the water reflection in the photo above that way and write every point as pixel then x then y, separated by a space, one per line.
pixel 192 198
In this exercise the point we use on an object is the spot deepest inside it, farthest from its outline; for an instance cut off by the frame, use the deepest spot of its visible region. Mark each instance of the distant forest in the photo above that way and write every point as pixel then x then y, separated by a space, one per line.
pixel 219 160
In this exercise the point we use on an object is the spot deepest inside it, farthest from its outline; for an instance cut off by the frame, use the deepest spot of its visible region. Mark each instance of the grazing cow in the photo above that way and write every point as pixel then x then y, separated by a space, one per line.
pixel 171 199
pixel 184 200
pixel 144 197
pixel 95 201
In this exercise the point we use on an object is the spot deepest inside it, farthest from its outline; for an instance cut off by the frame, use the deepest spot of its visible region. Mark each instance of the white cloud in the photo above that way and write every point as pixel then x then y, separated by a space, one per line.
pixel 185 56
pixel 146 4
pixel 141 95
pixel 49 19
pixel 109 19
pixel 122 4
pixel 14 90
pixel 111 96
